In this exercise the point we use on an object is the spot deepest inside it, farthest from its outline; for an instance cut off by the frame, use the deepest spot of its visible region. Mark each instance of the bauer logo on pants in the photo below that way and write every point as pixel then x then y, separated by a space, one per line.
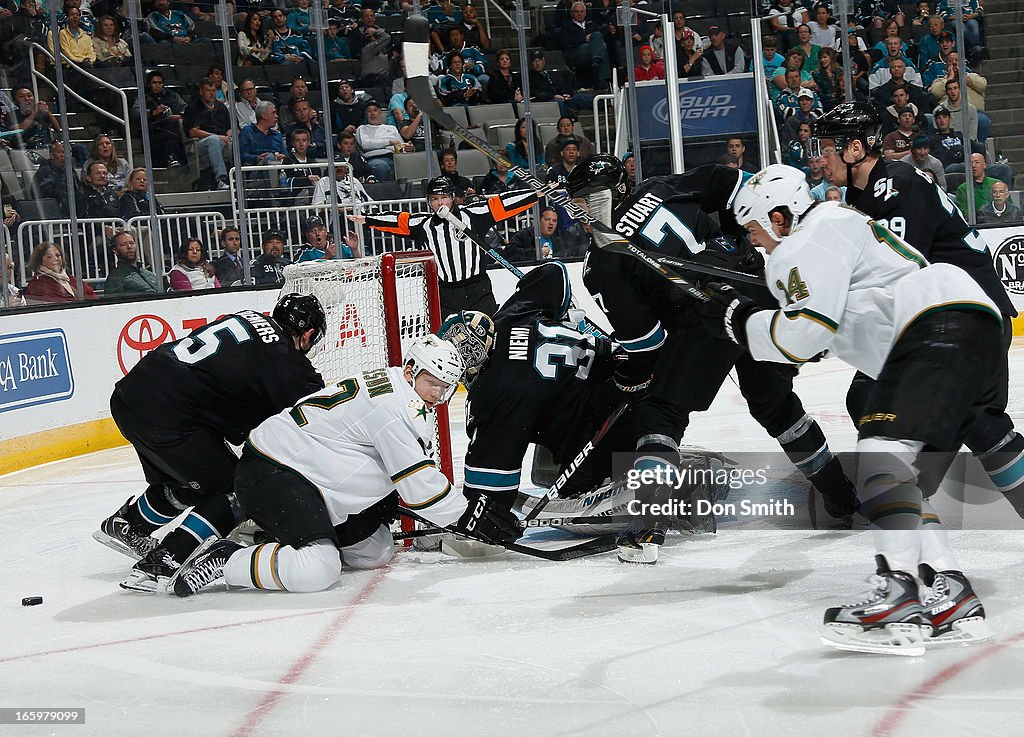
pixel 35 368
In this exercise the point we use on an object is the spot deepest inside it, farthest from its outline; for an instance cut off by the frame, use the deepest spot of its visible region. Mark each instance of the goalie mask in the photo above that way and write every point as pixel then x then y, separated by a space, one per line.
pixel 440 359
pixel 472 333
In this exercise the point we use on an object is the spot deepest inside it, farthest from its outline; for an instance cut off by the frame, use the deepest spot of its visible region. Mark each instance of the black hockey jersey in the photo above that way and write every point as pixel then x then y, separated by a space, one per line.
pixel 668 215
pixel 543 383
pixel 906 201
pixel 230 375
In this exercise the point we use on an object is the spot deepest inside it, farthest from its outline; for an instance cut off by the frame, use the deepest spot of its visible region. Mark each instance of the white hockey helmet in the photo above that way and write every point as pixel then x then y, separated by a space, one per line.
pixel 472 333
pixel 775 186
pixel 439 358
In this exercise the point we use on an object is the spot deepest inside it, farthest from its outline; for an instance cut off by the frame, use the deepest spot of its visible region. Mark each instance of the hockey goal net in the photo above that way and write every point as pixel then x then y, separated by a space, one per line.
pixel 375 306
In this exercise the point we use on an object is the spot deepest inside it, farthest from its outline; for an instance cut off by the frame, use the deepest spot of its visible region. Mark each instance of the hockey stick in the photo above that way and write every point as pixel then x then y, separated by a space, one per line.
pixel 462 229
pixel 593 546
pixel 416 51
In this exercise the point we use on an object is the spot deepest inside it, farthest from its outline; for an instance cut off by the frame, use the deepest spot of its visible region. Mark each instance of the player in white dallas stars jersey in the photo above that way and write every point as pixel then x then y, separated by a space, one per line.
pixel 319 478
pixel 930 337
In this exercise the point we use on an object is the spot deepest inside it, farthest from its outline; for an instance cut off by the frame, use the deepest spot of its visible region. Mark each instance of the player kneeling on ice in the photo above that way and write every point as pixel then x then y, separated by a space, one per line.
pixel 929 337
pixel 322 477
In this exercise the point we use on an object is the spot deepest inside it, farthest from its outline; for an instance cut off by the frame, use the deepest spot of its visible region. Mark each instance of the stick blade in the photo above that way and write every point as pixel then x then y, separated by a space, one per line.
pixel 416 48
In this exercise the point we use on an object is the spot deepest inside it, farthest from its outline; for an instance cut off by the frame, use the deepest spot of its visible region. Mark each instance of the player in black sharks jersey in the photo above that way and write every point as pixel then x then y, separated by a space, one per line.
pixel 907 202
pixel 673 357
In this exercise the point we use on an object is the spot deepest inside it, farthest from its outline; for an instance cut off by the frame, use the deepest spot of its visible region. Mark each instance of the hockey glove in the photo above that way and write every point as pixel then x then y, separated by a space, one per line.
pixel 723 252
pixel 634 371
pixel 488 518
pixel 727 311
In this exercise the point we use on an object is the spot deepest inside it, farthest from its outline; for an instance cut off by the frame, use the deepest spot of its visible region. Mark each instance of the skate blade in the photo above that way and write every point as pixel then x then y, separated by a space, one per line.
pixel 462 548
pixel 967 631
pixel 897 639
pixel 143 584
pixel 114 544
pixel 647 555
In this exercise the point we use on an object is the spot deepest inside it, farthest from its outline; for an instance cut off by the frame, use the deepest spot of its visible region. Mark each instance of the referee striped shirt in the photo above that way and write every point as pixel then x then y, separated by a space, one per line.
pixel 458 258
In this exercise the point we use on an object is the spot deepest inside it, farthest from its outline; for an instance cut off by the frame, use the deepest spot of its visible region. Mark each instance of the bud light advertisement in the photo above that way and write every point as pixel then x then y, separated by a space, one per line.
pixel 716 106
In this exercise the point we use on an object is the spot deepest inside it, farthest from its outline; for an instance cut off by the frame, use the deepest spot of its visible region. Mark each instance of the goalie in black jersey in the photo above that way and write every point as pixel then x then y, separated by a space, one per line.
pixel 181 403
pixel 675 364
pixel 907 202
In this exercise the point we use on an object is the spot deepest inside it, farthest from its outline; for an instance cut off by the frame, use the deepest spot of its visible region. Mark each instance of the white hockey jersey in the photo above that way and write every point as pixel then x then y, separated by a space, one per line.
pixel 847 284
pixel 357 440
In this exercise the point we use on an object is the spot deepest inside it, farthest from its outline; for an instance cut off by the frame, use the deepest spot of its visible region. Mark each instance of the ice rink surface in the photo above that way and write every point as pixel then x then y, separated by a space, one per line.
pixel 720 638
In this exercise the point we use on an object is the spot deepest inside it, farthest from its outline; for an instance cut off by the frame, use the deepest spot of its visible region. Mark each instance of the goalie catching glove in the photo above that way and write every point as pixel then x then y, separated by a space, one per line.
pixel 489 519
pixel 726 312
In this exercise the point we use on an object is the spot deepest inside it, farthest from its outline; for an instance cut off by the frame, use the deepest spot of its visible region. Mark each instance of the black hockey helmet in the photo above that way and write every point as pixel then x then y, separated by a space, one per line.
pixel 597 174
pixel 846 122
pixel 297 313
pixel 441 186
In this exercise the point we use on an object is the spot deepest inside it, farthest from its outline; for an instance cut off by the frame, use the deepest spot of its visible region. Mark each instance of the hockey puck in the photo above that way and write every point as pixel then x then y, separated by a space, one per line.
pixel 31 600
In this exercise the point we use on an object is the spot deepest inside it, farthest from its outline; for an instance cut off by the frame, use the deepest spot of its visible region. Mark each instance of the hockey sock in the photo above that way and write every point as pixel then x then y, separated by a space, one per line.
pixel 1004 464
pixel 658 464
pixel 805 445
pixel 154 509
pixel 211 517
pixel 276 567
pixel 935 548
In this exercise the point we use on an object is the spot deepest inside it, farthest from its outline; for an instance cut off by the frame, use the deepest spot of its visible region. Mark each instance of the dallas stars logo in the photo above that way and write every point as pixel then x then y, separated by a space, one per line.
pixel 418 409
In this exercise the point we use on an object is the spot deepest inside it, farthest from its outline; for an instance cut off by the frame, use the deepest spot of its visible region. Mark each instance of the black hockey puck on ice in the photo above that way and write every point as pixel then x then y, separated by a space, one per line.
pixel 31 600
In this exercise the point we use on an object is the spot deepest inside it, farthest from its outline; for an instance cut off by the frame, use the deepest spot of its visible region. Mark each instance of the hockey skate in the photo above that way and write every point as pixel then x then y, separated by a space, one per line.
pixel 838 497
pixel 117 534
pixel 152 574
pixel 204 566
pixel 640 547
pixel 888 620
pixel 953 611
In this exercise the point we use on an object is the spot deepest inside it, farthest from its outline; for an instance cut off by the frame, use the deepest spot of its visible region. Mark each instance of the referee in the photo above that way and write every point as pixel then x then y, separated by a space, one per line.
pixel 464 284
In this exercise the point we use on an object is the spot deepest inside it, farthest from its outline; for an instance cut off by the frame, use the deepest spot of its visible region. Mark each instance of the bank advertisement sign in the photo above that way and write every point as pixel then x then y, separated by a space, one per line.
pixel 35 368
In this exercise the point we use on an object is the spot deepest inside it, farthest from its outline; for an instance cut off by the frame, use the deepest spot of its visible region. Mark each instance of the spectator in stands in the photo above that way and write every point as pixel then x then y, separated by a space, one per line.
pixel 344 11
pixel 164 109
pixel 335 45
pixel 583 44
pixel 976 86
pixel 920 158
pixel 504 85
pixel 771 59
pixel 298 18
pixel 297 90
pixel 76 42
pixel 794 62
pixel 544 88
pixel 268 268
pixel 412 127
pixel 253 47
pixel 680 29
pixel 1000 209
pixel 518 150
pixel 690 57
pixel 835 194
pixel 738 148
pixel 799 107
pixel 554 242
pixel 953 104
pixel 824 34
pixel 228 267
pixel 928 47
pixel 657 41
pixel 30 21
pixel 874 13
pixel 318 244
pixel 442 16
pixel 49 181
pixel 724 57
pixel 97 198
pixel 897 144
pixel 347 193
pixel 35 119
pixel 881 72
pixel 302 180
pixel 104 151
pixel 457 87
pixel 565 131
pixel 208 121
pixel 815 173
pixel 111 50
pixel 128 276
pixel 891 29
pixel 829 79
pixel 498 180
pixel 50 283
pixel 216 73
pixel 348 154
pixel 372 45
pixel 891 114
pixel 629 164
pixel 473 60
pixel 192 269
pixel 937 66
pixel 805 47
pixel 13 296
pixel 245 106
pixel 972 12
pixel 784 17
pixel 261 143
pixel 473 29
pixel 463 187
pixel 796 150
pixel 379 142
pixel 947 145
pixel 288 47
pixel 882 94
pixel 135 200
pixel 349 111
pixel 568 159
pixel 982 184
pixel 924 13
pixel 170 26
pixel 861 68
pixel 307 119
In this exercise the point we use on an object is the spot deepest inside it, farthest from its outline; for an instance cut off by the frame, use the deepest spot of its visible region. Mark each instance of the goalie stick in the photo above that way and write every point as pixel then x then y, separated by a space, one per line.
pixel 416 52
pixel 518 273
pixel 591 546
